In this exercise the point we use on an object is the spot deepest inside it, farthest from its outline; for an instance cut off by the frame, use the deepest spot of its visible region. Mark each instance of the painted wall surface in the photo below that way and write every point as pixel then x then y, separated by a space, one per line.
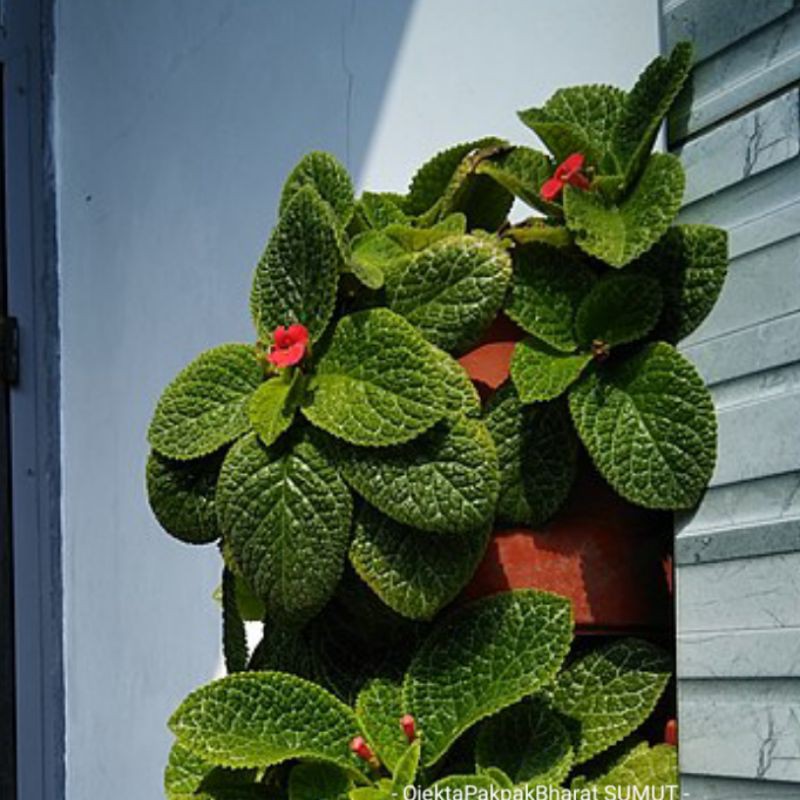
pixel 175 123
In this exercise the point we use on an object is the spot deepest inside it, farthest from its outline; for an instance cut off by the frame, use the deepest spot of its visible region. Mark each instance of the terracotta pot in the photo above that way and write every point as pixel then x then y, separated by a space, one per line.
pixel 612 559
pixel 603 553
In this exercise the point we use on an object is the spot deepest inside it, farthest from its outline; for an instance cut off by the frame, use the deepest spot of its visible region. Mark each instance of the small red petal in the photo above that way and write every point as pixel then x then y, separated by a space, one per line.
pixel 551 189
pixel 579 181
pixel 574 162
pixel 409 726
pixel 298 333
pixel 361 748
pixel 287 356
pixel 281 337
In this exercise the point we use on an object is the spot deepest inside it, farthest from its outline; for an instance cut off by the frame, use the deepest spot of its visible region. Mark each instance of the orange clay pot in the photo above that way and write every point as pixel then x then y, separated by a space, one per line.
pixel 611 558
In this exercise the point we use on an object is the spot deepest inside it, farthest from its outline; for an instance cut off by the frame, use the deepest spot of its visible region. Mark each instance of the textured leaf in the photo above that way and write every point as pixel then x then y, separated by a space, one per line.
pixel 619 309
pixel 541 373
pixel 619 232
pixel 522 171
pixel 547 289
pixel 406 769
pixel 205 406
pixel 314 781
pixel 444 482
pixel 379 707
pixel 489 655
pixel 181 495
pixel 610 692
pixel 286 513
pixel 234 638
pixel 432 178
pixel 297 276
pixel 528 742
pixel 461 395
pixel 691 261
pixel 577 119
pixel 189 777
pixel 452 290
pixel 271 407
pixel 378 383
pixel 646 106
pixel 381 209
pixel 255 719
pixel 642 766
pixel 414 572
pixel 649 425
pixel 328 177
pixel 537 451
pixel 414 239
pixel 372 254
pixel 539 231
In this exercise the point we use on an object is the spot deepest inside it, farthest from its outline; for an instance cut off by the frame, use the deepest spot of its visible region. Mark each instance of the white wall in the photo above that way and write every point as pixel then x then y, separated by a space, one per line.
pixel 175 123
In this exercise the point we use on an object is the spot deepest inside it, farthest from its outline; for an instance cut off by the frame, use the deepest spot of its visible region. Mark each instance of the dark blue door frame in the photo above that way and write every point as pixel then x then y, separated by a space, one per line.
pixel 32 298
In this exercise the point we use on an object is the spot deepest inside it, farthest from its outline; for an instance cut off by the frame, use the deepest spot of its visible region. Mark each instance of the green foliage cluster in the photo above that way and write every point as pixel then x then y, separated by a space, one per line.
pixel 353 494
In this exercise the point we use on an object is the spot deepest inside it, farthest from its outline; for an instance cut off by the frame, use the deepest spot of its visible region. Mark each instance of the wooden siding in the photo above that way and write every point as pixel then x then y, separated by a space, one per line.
pixel 737 131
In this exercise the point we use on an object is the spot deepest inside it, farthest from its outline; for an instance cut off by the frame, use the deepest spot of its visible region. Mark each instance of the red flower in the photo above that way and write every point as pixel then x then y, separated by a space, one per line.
pixel 569 172
pixel 289 345
pixel 361 748
pixel 409 726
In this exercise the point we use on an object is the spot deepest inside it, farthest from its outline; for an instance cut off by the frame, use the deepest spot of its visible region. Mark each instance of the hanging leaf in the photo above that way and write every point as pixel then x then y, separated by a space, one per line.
pixel 379 709
pixel 272 406
pixel 234 639
pixel 414 572
pixel 205 407
pixel 181 495
pixel 541 373
pixel 286 513
pixel 608 693
pixel 649 426
pixel 487 656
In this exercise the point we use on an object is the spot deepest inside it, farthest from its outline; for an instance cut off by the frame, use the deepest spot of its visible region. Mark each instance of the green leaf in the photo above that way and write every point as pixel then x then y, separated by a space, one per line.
pixel 181 495
pixel 414 572
pixel 537 453
pixel 205 406
pixel 381 209
pixel 234 638
pixel 547 288
pixel 538 231
pixel 619 309
pixel 528 742
pixel 255 719
pixel 618 232
pixel 649 426
pixel 286 513
pixel 328 177
pixel 379 707
pixel 271 407
pixel 522 171
pixel 691 261
pixel 487 656
pixel 577 119
pixel 461 395
pixel 312 781
pixel 414 240
pixel 642 766
pixel 406 769
pixel 189 777
pixel 298 274
pixel 432 179
pixel 499 777
pixel 452 290
pixel 444 482
pixel 541 373
pixel 378 383
pixel 646 106
pixel 372 254
pixel 610 692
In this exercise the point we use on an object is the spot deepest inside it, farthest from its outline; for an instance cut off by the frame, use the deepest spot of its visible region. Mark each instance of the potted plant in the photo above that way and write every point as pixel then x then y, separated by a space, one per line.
pixel 353 477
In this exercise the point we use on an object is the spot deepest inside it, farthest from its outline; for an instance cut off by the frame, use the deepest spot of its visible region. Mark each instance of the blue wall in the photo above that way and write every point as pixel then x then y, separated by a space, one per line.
pixel 175 123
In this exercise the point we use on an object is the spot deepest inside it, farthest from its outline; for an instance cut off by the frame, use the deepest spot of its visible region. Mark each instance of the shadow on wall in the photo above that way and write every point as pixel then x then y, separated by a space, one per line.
pixel 176 124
